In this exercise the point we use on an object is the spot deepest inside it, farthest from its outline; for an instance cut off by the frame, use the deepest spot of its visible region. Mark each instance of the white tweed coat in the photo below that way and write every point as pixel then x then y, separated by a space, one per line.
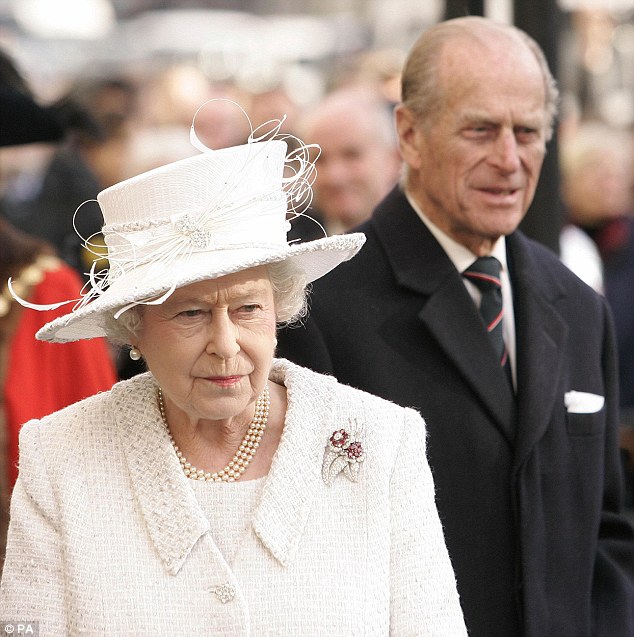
pixel 107 537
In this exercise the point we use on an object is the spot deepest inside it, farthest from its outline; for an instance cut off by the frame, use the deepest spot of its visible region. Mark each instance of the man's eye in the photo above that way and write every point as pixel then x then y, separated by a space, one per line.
pixel 526 133
pixel 477 131
pixel 252 307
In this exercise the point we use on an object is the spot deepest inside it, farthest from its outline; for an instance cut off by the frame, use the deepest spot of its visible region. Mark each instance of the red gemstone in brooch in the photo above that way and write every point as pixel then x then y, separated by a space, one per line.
pixel 339 438
pixel 343 454
pixel 355 451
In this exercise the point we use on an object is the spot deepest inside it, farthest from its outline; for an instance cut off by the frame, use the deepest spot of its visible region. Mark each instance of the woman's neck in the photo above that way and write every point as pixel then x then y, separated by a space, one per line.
pixel 211 445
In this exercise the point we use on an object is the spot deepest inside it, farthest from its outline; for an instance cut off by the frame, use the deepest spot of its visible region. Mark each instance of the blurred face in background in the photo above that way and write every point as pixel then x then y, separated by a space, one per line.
pixel 598 187
pixel 359 161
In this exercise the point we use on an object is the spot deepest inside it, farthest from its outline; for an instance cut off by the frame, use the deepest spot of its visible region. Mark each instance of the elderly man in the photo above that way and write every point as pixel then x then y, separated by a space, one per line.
pixel 359 162
pixel 508 356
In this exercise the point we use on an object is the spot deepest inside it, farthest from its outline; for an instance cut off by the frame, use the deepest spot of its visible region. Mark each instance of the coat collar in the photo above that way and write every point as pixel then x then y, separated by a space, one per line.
pixel 168 505
pixel 295 475
pixel 417 259
pixel 447 311
pixel 167 502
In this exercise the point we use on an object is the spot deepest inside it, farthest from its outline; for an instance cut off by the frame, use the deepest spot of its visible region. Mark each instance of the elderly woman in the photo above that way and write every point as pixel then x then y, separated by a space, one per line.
pixel 223 492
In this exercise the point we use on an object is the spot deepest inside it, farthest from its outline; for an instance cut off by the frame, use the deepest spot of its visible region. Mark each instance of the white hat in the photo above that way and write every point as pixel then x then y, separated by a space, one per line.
pixel 200 218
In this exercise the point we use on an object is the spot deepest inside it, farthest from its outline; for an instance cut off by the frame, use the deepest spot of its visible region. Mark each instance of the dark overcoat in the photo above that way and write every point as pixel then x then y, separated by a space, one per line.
pixel 529 494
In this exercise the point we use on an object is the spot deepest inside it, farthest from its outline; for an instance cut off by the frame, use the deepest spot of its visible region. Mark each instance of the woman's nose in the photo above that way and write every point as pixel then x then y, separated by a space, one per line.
pixel 223 337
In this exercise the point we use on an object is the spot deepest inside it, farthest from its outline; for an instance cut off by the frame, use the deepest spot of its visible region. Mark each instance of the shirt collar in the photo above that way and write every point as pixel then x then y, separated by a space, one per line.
pixel 461 257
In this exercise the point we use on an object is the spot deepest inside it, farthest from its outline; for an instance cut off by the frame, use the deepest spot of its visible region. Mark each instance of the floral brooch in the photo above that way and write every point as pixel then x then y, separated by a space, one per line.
pixel 343 453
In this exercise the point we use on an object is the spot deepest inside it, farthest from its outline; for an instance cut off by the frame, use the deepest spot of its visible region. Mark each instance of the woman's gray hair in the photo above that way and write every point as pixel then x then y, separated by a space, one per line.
pixel 290 291
pixel 290 294
pixel 419 83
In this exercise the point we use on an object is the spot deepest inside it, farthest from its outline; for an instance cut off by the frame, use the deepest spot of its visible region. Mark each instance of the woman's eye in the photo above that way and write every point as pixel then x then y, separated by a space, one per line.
pixel 250 308
pixel 190 313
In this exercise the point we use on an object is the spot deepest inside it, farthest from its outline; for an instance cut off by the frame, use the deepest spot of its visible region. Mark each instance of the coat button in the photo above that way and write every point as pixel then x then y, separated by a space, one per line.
pixel 225 592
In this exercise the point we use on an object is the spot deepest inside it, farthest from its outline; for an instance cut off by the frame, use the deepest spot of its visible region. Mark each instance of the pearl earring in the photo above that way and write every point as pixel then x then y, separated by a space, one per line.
pixel 135 354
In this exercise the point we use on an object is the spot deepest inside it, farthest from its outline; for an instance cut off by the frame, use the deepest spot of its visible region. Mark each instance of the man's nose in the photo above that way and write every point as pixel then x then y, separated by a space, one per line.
pixel 505 153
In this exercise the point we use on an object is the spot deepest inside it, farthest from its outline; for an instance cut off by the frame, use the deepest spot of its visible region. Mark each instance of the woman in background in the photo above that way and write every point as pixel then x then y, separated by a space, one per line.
pixel 36 378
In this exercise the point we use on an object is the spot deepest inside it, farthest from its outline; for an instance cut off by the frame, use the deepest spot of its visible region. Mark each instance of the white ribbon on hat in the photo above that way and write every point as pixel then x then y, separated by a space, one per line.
pixel 163 241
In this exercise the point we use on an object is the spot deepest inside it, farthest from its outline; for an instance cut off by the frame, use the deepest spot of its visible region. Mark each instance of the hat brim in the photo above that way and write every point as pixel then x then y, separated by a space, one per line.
pixel 313 258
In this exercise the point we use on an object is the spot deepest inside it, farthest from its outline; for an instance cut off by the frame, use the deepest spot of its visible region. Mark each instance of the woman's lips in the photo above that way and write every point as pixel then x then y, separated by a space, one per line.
pixel 225 381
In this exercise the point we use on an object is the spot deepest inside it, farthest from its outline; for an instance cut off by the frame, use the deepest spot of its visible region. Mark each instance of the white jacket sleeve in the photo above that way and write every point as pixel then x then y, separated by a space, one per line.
pixel 32 589
pixel 418 546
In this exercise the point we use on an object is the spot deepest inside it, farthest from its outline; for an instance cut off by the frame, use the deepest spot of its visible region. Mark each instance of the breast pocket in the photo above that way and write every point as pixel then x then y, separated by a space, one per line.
pixel 585 424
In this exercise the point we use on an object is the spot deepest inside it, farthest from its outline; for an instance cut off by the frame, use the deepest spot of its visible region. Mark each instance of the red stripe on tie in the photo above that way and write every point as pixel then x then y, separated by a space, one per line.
pixel 495 321
pixel 483 277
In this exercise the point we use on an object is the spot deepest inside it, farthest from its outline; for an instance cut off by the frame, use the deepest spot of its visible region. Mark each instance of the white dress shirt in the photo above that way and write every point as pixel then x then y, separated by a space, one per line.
pixel 462 258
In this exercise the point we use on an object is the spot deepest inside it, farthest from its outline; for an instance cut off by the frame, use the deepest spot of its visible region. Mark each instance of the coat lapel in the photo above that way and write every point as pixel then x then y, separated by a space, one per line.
pixel 295 474
pixel 455 331
pixel 447 311
pixel 541 334
pixel 174 520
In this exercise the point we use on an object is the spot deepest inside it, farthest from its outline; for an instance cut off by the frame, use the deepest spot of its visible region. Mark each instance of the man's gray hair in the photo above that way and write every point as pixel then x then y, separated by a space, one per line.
pixel 419 82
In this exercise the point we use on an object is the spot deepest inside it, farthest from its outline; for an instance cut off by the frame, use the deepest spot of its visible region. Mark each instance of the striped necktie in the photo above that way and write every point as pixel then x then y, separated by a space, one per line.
pixel 484 273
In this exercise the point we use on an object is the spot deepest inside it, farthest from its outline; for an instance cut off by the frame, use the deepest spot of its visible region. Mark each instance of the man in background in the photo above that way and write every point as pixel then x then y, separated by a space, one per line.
pixel 359 161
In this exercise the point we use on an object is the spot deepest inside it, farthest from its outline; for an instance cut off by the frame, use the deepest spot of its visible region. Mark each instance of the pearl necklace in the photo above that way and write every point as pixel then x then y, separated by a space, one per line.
pixel 250 443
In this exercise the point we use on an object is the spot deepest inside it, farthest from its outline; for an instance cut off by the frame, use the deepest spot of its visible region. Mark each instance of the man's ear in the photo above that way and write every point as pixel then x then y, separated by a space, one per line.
pixel 409 136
